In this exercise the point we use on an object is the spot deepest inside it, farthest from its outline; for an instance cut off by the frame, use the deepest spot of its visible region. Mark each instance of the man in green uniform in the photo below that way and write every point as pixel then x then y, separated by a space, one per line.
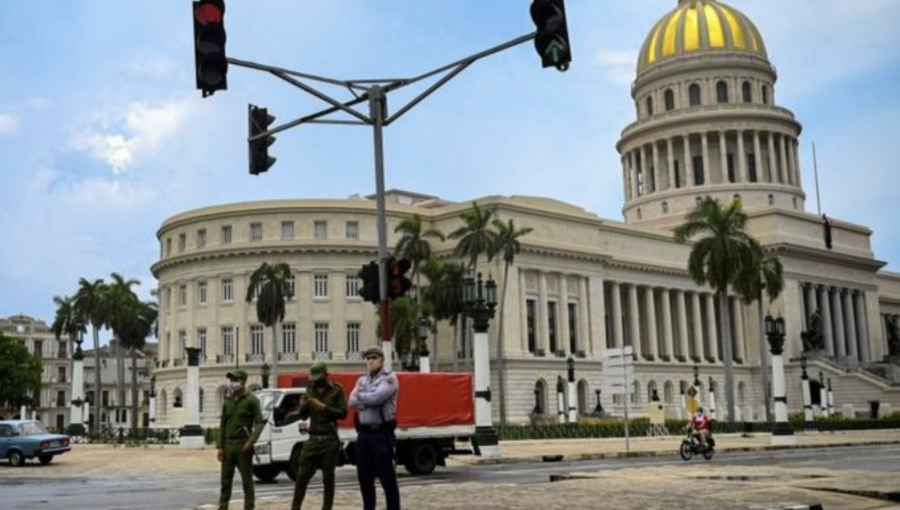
pixel 240 427
pixel 324 405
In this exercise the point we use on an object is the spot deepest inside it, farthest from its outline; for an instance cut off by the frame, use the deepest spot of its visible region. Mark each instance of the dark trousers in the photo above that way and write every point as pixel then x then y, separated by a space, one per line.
pixel 234 457
pixel 375 458
pixel 318 453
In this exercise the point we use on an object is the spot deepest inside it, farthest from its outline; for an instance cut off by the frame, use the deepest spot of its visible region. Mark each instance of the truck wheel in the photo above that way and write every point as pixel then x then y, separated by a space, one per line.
pixel 422 460
pixel 45 459
pixel 16 458
pixel 294 463
pixel 266 473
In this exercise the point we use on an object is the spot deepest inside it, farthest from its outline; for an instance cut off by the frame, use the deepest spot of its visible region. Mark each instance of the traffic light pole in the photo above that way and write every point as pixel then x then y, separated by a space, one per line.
pixel 373 91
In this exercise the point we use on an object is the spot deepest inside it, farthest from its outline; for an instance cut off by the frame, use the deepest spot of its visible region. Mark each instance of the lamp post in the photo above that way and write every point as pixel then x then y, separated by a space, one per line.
pixel 823 395
pixel 782 433
pixel 807 394
pixel 480 300
pixel 76 413
pixel 712 400
pixel 422 351
pixel 264 371
pixel 830 398
pixel 570 372
pixel 598 411
pixel 152 401
pixel 560 399
pixel 191 433
pixel 537 411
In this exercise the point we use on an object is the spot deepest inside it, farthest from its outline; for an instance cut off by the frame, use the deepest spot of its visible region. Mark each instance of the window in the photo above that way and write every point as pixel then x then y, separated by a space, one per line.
pixel 321 337
pixel 256 339
pixel 60 398
pixel 62 351
pixel 665 208
pixel 573 327
pixel 746 92
pixel 168 299
pixel 352 230
pixel 530 321
pixel 729 161
pixel 200 403
pixel 765 94
pixel 649 106
pixel 182 242
pixel 771 199
pixel 201 293
pixel 751 167
pixel 551 320
pixel 320 286
pixel 640 182
pixel 698 171
pixel 289 338
pixel 254 292
pixel 352 337
pixel 694 94
pixel 721 92
pixel 287 229
pixel 182 342
pixel 320 229
pixel 227 290
pixel 352 286
pixel 201 341
pixel 169 246
pixel 226 234
pixel 795 202
pixel 201 238
pixel 677 175
pixel 256 232
pixel 60 421
pixel 292 287
pixel 182 296
pixel 670 100
pixel 228 340
pixel 61 374
pixel 39 348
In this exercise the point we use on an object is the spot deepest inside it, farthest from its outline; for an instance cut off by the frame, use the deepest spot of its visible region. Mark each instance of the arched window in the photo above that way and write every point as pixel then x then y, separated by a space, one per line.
pixel 540 401
pixel 721 92
pixel 765 94
pixel 652 392
pixel 670 100
pixel 694 94
pixel 669 392
pixel 176 396
pixel 746 92
pixel 649 105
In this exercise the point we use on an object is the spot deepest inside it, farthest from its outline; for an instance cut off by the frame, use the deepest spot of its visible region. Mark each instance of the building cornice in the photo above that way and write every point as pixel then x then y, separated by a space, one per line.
pixel 829 257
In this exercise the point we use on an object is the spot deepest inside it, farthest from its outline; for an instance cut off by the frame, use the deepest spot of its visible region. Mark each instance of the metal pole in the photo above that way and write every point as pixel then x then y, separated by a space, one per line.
pixel 816 169
pixel 628 389
pixel 377 109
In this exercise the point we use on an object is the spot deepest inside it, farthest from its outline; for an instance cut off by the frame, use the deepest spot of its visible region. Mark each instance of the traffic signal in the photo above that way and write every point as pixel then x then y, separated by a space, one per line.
pixel 209 46
pixel 398 283
pixel 552 38
pixel 369 276
pixel 259 121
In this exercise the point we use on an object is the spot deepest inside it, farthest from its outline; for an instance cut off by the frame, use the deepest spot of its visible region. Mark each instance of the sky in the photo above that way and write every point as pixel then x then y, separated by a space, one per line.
pixel 103 135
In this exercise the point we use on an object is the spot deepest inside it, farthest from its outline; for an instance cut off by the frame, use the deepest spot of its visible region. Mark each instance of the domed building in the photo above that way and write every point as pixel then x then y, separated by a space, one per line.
pixel 707 125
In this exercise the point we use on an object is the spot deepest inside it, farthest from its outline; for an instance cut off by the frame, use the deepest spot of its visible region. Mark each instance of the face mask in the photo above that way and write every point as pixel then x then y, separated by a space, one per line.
pixel 235 386
pixel 374 364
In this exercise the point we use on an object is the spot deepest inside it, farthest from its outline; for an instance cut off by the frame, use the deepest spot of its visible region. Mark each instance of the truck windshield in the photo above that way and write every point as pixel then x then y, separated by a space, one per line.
pixel 267 401
pixel 34 428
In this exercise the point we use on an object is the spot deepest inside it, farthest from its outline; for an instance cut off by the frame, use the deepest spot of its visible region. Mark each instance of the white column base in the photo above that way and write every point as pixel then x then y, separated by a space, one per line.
pixel 784 440
pixel 424 365
pixel 192 443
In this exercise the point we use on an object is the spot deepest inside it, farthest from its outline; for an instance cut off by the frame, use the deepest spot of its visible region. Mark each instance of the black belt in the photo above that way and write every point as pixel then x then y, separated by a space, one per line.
pixel 373 427
pixel 321 434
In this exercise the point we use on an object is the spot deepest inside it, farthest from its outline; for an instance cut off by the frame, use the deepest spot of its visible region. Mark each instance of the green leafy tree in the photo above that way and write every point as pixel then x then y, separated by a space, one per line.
pixel 405 315
pixel 475 237
pixel 722 256
pixel 274 289
pixel 413 244
pixel 121 307
pixel 90 304
pixel 20 372
pixel 67 322
pixel 140 324
pixel 508 246
pixel 444 296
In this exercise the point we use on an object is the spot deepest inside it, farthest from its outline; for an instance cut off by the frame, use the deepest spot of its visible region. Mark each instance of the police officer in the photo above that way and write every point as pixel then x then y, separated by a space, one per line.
pixel 240 427
pixel 324 405
pixel 375 400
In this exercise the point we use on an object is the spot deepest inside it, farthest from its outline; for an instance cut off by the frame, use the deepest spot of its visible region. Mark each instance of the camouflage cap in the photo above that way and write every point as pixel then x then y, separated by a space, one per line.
pixel 317 371
pixel 237 374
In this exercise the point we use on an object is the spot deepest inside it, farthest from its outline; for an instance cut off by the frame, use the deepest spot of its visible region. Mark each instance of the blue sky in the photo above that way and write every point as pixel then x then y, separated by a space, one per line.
pixel 103 135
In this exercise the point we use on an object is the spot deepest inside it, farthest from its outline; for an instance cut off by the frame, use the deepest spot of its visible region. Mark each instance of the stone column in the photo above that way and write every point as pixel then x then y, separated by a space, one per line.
pixel 634 324
pixel 191 433
pixel 862 328
pixel 723 157
pixel 707 167
pixel 698 327
pixel 616 319
pixel 811 300
pixel 840 340
pixel 668 343
pixel 757 156
pixel 584 329
pixel 712 328
pixel 785 171
pixel 597 301
pixel 682 325
pixel 645 177
pixel 826 319
pixel 76 412
pixel 742 158
pixel 850 318
pixel 773 166
pixel 625 181
pixel 543 320
pixel 563 329
pixel 523 317
pixel 657 173
pixel 688 169
pixel 633 173
pixel 738 314
pixel 670 154
pixel 650 306
pixel 797 173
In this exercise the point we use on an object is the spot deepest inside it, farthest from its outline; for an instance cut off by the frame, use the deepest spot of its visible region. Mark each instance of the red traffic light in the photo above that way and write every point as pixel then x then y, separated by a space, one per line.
pixel 209 12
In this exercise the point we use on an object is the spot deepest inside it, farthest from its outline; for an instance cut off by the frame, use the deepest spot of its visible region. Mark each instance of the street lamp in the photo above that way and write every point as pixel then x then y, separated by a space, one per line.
pixel 598 411
pixel 696 376
pixel 264 370
pixel 537 411
pixel 807 394
pixel 480 300
pixel 782 433
pixel 823 395
pixel 422 351
pixel 570 370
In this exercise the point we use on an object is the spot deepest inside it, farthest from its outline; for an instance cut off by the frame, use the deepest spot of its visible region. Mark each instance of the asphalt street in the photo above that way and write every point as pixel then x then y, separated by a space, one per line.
pixel 178 491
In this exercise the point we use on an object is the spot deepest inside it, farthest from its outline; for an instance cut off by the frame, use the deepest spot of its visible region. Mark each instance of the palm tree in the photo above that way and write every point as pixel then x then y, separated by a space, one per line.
pixel 90 305
pixel 444 295
pixel 270 284
pixel 765 277
pixel 413 244
pixel 67 321
pixel 121 307
pixel 405 315
pixel 722 257
pixel 139 325
pixel 508 246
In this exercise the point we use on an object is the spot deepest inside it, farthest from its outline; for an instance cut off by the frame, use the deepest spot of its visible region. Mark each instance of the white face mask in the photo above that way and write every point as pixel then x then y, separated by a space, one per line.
pixel 374 365
pixel 235 386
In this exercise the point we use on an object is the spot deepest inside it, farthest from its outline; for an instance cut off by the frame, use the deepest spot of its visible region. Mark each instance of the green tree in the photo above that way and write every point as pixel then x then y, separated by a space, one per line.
pixel 121 307
pixel 475 237
pixel 722 256
pixel 405 315
pixel 444 296
pixel 90 304
pixel 20 373
pixel 274 289
pixel 413 244
pixel 67 321
pixel 508 246
pixel 140 323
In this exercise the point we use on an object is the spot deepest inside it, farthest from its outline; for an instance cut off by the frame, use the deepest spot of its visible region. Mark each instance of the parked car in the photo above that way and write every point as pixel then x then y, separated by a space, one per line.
pixel 27 439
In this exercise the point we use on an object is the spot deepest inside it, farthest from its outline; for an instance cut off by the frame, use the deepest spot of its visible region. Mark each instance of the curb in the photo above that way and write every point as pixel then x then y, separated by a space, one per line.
pixel 813 506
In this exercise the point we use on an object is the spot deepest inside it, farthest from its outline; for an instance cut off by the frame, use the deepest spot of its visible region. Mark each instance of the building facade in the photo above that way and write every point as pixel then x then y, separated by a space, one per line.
pixel 707 124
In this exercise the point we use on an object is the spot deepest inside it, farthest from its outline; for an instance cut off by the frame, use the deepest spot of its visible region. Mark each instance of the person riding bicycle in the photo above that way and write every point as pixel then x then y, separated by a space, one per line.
pixel 701 427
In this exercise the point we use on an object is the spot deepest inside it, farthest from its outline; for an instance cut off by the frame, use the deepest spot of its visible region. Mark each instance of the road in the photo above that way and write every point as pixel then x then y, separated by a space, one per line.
pixel 178 491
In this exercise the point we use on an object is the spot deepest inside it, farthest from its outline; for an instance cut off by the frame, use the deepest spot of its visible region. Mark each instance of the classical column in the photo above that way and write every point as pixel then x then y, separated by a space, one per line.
pixel 711 327
pixel 645 174
pixel 807 394
pixel 757 157
pixel 785 171
pixel 523 317
pixel 707 167
pixel 741 158
pixel 76 410
pixel 737 312
pixel 656 170
pixel 797 174
pixel 682 325
pixel 564 333
pixel 632 172
pixel 839 338
pixel 543 320
pixel 723 157
pixel 616 319
pixel 862 327
pixel 650 306
pixel 191 433
pixel 850 319
pixel 773 166
pixel 634 324
pixel 826 319
pixel 594 320
pixel 668 344
pixel 625 180
pixel 584 329
pixel 670 154
pixel 698 327
pixel 687 169
pixel 811 301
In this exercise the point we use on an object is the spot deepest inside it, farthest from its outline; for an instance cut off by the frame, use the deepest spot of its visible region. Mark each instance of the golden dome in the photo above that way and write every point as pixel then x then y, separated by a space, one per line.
pixel 700 26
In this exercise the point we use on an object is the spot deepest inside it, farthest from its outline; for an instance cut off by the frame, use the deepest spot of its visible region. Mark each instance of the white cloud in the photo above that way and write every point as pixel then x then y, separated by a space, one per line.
pixel 618 65
pixel 8 123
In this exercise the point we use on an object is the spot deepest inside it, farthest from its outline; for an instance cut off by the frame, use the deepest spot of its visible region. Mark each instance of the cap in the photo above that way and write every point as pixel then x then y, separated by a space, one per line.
pixel 237 374
pixel 374 350
pixel 317 371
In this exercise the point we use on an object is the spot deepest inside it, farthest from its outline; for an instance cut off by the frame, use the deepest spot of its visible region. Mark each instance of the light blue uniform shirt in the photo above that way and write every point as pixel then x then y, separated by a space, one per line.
pixel 375 398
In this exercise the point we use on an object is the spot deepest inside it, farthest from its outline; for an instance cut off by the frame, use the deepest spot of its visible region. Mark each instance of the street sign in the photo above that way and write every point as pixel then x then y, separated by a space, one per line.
pixel 617 374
